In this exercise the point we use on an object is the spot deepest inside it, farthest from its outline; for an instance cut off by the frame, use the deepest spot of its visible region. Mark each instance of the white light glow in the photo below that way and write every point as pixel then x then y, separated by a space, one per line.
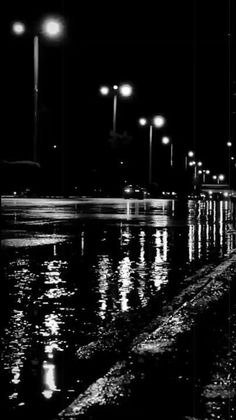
pixel 159 121
pixel 221 177
pixel 104 90
pixel 229 143
pixel 190 153
pixel 142 121
pixel 165 140
pixel 52 27
pixel 199 164
pixel 18 28
pixel 125 90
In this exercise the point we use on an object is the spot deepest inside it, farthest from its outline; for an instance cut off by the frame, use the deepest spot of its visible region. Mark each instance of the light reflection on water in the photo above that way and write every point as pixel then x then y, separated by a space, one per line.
pixel 62 296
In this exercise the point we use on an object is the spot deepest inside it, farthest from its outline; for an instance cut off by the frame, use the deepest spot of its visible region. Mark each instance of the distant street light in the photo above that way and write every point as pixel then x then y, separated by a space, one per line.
pixel 52 28
pixel 124 90
pixel 218 178
pixel 190 154
pixel 204 173
pixel 166 140
pixel 158 121
pixel 196 165
pixel 229 145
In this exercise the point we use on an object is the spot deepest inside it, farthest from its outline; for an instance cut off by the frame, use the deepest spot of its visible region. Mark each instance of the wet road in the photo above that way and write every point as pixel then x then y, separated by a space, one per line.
pixel 83 278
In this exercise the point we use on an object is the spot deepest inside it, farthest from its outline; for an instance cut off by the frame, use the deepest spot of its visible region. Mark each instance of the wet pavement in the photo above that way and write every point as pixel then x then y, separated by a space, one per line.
pixel 83 279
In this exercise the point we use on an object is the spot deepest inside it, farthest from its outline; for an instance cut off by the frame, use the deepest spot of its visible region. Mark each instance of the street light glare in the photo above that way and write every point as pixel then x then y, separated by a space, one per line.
pixel 52 27
pixel 221 177
pixel 165 140
pixel 159 121
pixel 229 143
pixel 190 153
pixel 18 28
pixel 199 163
pixel 125 90
pixel 104 90
pixel 142 121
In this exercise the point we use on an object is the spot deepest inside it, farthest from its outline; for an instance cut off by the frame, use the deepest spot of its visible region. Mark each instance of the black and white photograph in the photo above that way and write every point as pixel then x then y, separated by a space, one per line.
pixel 118 210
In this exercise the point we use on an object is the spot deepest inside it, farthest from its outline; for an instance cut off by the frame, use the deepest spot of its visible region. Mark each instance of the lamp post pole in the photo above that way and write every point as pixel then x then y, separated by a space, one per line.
pixel 171 154
pixel 150 153
pixel 114 110
pixel 36 77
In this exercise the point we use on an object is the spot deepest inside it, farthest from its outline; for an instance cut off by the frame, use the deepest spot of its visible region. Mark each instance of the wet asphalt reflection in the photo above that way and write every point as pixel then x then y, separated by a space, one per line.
pixel 82 278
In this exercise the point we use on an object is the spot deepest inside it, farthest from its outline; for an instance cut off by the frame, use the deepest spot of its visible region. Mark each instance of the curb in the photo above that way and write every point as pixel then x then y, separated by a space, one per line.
pixel 115 386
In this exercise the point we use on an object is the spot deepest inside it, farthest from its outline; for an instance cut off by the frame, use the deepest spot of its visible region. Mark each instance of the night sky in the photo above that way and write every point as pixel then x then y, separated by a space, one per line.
pixel 175 54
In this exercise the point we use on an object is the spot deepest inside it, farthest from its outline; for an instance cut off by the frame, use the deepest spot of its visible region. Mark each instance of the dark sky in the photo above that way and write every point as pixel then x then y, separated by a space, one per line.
pixel 174 53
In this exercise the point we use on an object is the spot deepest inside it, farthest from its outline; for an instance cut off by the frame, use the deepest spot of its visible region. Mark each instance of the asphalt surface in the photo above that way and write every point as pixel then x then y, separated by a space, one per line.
pixel 181 365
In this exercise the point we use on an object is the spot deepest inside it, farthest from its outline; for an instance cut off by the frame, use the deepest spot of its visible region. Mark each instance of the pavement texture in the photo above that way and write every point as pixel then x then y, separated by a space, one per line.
pixel 181 366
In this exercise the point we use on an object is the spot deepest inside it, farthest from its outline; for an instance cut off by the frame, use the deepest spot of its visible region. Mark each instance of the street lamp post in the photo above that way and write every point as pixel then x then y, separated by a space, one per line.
pixel 124 90
pixel 195 164
pixel 36 90
pixel 158 122
pixel 166 140
pixel 51 28
pixel 218 178
pixel 229 145
pixel 190 154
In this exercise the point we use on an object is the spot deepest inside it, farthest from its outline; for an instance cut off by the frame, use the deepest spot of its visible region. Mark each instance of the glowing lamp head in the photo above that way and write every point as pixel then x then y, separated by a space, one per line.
pixel 115 87
pixel 18 28
pixel 52 27
pixel 142 121
pixel 221 177
pixel 199 164
pixel 104 90
pixel 158 121
pixel 229 143
pixel 192 163
pixel 165 140
pixel 200 172
pixel 214 177
pixel 208 172
pixel 190 153
pixel 125 90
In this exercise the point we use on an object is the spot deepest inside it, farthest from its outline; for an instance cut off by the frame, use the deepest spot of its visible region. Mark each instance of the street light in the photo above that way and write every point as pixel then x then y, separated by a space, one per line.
pixel 204 173
pixel 50 27
pixel 18 28
pixel 166 140
pixel 196 165
pixel 218 178
pixel 229 145
pixel 190 154
pixel 124 90
pixel 157 121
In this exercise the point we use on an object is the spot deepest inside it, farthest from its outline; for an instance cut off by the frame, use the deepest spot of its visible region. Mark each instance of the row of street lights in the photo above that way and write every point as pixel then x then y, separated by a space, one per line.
pixel 157 121
pixel 53 28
